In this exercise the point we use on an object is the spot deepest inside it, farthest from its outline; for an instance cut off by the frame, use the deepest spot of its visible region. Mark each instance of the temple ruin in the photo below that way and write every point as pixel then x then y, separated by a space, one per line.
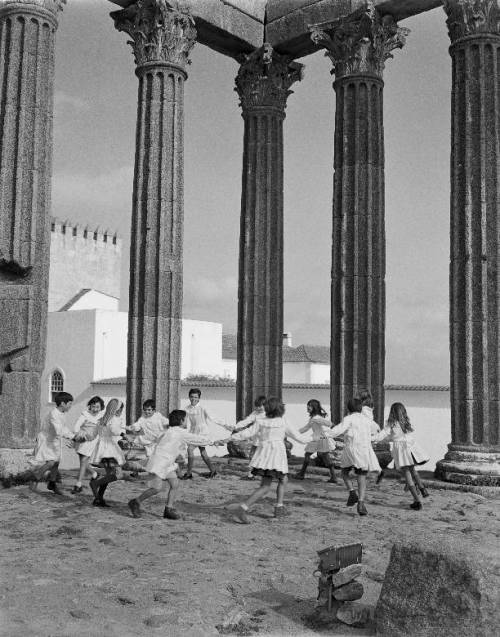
pixel 267 38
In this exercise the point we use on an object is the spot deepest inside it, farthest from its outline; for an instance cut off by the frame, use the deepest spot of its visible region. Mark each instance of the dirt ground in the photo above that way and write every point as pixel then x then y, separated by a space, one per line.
pixel 69 569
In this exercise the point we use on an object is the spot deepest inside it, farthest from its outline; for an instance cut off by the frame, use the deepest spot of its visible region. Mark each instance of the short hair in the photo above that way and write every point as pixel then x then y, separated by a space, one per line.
pixel 259 401
pixel 194 390
pixel 149 403
pixel 96 400
pixel 63 397
pixel 274 408
pixel 365 396
pixel 354 405
pixel 176 417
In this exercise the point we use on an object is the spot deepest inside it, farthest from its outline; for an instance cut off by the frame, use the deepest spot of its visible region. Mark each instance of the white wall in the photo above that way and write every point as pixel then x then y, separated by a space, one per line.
pixel 319 373
pixel 110 354
pixel 70 348
pixel 296 372
pixel 201 348
pixel 229 367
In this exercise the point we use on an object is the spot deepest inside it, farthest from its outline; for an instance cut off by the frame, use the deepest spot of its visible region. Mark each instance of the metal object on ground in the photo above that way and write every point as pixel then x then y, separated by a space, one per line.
pixel 334 558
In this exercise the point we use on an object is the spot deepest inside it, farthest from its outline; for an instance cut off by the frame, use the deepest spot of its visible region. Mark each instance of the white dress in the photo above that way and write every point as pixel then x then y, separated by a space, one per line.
pixel 250 420
pixel 152 429
pixel 199 420
pixel 357 452
pixel 269 437
pixel 322 441
pixel 86 424
pixel 405 451
pixel 49 440
pixel 368 412
pixel 106 446
pixel 170 445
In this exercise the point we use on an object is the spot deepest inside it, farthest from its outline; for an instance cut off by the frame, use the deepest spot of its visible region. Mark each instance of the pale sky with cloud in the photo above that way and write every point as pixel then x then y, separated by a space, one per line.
pixel 94 139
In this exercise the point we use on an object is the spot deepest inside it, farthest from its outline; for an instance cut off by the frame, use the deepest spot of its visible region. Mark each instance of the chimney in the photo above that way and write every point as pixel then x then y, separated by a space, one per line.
pixel 287 339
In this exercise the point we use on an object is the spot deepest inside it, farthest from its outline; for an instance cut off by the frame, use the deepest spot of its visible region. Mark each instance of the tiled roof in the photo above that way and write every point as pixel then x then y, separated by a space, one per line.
pixel 300 354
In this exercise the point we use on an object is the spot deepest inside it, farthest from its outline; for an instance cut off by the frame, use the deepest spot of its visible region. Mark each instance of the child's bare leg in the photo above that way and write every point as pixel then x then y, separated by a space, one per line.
pixel 173 484
pixel 361 478
pixel 148 493
pixel 280 491
pixel 206 459
pixel 265 486
pixel 409 481
pixel 189 470
pixel 300 474
pixel 416 478
pixel 347 478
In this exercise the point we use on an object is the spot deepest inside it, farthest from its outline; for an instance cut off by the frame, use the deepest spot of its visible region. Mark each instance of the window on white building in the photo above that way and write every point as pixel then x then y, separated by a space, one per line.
pixel 56 384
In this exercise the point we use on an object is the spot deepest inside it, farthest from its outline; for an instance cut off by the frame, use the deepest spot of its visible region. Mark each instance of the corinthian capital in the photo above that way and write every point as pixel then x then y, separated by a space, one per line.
pixel 472 17
pixel 264 79
pixel 160 31
pixel 360 44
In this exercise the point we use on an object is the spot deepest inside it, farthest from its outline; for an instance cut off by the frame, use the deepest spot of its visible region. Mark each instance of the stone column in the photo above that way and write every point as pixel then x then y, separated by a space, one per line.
pixel 27 35
pixel 358 48
pixel 474 452
pixel 263 85
pixel 162 38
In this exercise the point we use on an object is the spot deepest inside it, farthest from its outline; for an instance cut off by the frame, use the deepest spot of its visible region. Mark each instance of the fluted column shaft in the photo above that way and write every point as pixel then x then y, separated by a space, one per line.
pixel 263 85
pixel 162 39
pixel 474 452
pixel 27 37
pixel 358 49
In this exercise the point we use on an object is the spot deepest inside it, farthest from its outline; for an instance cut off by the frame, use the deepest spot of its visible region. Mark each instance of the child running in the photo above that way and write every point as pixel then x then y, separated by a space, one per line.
pixel 198 422
pixel 366 399
pixel 48 448
pixel 269 460
pixel 322 442
pixel 106 451
pixel 87 422
pixel 149 428
pixel 357 453
pixel 258 412
pixel 406 452
pixel 162 463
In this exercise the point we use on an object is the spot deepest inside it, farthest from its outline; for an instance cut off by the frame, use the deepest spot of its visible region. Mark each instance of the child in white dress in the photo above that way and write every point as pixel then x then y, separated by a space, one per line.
pixel 106 451
pixel 322 442
pixel 366 399
pixel 357 453
pixel 87 422
pixel 198 421
pixel 149 428
pixel 162 463
pixel 406 452
pixel 48 448
pixel 258 412
pixel 269 460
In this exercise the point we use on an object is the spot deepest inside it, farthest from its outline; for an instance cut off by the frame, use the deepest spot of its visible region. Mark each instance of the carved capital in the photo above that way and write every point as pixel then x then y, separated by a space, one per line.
pixel 264 79
pixel 160 31
pixel 472 17
pixel 54 6
pixel 360 44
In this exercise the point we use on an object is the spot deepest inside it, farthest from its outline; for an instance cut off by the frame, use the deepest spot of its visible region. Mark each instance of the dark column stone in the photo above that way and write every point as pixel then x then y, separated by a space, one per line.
pixel 162 38
pixel 263 85
pixel 27 36
pixel 358 48
pixel 474 452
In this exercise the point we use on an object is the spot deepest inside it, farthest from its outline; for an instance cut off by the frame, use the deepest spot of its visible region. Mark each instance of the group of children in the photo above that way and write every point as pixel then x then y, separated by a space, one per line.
pixel 100 436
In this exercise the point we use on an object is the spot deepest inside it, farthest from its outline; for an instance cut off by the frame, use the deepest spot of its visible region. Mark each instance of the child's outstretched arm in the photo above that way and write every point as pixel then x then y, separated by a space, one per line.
pixel 247 432
pixel 306 427
pixel 213 421
pixel 341 428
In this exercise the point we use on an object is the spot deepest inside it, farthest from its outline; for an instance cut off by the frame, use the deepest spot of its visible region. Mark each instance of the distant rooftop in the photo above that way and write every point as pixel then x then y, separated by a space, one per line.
pixel 300 354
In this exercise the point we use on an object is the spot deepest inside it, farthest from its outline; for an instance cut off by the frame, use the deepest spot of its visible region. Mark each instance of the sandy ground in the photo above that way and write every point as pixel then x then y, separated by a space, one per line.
pixel 69 569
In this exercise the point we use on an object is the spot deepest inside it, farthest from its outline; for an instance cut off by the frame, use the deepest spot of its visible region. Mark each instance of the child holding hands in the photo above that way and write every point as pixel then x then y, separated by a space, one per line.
pixel 406 453
pixel 269 461
pixel 357 453
pixel 162 463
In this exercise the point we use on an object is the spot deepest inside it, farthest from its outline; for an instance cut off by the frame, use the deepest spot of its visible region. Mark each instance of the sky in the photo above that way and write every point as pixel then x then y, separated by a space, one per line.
pixel 94 145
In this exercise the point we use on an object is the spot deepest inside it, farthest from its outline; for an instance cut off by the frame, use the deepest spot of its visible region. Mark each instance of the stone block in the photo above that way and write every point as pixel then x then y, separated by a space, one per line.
pixel 346 575
pixel 13 462
pixel 349 592
pixel 355 614
pixel 448 588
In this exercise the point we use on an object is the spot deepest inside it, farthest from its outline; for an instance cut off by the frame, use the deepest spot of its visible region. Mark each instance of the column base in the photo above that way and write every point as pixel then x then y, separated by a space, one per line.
pixel 478 468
